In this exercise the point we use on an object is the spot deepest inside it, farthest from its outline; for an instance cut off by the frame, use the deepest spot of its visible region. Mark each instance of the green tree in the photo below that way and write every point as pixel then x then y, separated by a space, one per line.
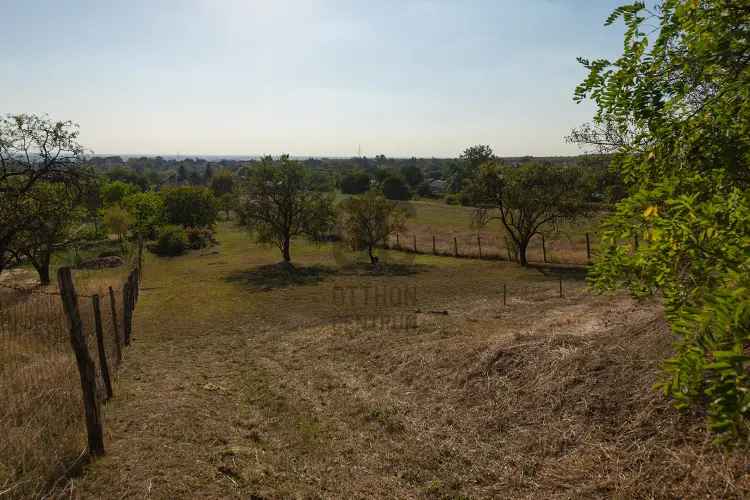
pixel 34 149
pixel 675 112
pixel 147 213
pixel 526 199
pixel 279 202
pixel 114 192
pixel 55 216
pixel 222 182
pixel 117 220
pixel 463 171
pixel 395 188
pixel 190 206
pixel 356 182
pixel 369 219
pixel 412 174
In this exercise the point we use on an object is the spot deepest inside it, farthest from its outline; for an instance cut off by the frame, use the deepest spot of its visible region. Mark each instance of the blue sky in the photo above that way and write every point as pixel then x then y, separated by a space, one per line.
pixel 318 77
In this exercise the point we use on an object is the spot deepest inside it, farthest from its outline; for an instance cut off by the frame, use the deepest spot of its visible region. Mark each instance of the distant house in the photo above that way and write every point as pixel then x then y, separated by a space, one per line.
pixel 438 187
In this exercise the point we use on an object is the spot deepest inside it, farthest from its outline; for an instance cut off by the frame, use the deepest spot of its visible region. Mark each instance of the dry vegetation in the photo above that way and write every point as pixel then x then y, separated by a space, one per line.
pixel 246 380
pixel 42 413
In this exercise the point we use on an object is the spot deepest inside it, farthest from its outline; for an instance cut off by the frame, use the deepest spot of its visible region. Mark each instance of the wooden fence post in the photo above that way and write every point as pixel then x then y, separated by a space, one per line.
pixel 561 292
pixel 479 244
pixel 588 248
pixel 635 240
pixel 455 246
pixel 86 368
pixel 140 254
pixel 118 340
pixel 398 242
pixel 415 243
pixel 103 366
pixel 544 250
pixel 126 312
pixel 433 245
pixel 505 294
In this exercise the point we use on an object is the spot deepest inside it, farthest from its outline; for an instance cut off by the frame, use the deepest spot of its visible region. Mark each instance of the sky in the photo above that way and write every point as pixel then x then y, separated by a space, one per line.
pixel 318 77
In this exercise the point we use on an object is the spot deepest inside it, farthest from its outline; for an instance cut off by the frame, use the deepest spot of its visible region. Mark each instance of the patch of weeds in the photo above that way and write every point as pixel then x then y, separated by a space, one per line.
pixel 386 418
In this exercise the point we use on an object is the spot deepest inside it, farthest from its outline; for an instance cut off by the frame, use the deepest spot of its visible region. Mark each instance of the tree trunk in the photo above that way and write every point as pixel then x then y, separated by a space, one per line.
pixel 522 246
pixel 41 266
pixel 286 250
pixel 369 252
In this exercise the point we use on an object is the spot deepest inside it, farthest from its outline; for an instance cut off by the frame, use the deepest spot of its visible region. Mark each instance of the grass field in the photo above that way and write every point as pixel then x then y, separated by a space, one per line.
pixel 250 380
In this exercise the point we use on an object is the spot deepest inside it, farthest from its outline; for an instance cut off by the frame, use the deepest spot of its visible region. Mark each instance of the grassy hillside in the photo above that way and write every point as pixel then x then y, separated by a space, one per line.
pixel 247 379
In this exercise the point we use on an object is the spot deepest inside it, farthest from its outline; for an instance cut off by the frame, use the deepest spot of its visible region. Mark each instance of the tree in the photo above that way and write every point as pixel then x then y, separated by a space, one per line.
pixel 462 172
pixel 190 206
pixel 395 188
pixel 55 215
pixel 146 211
pixel 208 175
pixel 369 219
pixel 222 183
pixel 114 192
pixel 279 203
pixel 33 149
pixel 412 174
pixel 675 113
pixel 356 182
pixel 117 220
pixel 526 198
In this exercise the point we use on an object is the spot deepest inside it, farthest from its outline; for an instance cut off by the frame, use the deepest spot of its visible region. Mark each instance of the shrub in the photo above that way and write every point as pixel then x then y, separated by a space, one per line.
pixel 198 237
pixel 172 241
pixel 452 199
pixel 190 206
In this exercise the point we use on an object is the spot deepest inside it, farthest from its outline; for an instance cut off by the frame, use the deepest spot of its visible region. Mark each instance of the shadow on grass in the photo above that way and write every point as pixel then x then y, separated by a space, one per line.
pixel 281 275
pixel 567 271
pixel 364 269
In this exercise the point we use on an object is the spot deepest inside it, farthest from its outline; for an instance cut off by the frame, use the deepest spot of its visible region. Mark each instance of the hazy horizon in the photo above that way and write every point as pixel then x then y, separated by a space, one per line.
pixel 322 78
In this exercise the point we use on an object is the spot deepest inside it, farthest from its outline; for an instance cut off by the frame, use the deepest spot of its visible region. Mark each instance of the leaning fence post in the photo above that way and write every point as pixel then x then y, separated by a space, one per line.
pixel 86 368
pixel 103 366
pixel 544 250
pixel 126 312
pixel 479 244
pixel 455 246
pixel 118 341
pixel 433 245
pixel 588 248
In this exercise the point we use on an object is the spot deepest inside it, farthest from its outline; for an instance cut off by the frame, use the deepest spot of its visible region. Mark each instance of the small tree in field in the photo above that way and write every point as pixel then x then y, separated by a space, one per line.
pixel 526 198
pixel 280 202
pixel 117 220
pixel 369 219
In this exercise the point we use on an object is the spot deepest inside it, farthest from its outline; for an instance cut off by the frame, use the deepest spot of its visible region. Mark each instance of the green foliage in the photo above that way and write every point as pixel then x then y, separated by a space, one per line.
pixel 117 220
pixel 526 198
pixel 356 182
pixel 676 112
pixel 147 213
pixel 171 241
pixel 280 201
pixel 412 174
pixel 114 192
pixel 369 219
pixel 199 237
pixel 222 183
pixel 190 207
pixel 395 188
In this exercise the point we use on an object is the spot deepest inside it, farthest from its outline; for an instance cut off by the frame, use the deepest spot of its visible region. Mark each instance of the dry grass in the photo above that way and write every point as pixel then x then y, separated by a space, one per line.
pixel 237 390
pixel 42 413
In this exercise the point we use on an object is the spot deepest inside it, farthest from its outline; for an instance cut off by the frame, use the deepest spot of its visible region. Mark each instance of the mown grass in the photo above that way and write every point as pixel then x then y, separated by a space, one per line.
pixel 238 387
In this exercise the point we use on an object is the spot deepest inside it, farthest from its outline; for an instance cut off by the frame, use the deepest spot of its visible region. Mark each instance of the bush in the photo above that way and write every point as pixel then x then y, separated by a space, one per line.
pixel 452 199
pixel 190 206
pixel 172 241
pixel 395 188
pixel 198 237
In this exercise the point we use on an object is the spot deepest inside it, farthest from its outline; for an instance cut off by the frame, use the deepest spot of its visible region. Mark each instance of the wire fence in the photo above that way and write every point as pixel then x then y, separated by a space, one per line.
pixel 44 413
pixel 558 248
